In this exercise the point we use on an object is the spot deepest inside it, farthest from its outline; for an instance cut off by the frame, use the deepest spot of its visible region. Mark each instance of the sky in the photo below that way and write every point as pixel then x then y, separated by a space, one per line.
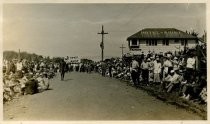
pixel 71 29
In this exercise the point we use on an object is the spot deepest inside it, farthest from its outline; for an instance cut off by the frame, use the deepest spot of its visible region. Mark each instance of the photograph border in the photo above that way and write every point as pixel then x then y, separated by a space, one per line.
pixel 104 1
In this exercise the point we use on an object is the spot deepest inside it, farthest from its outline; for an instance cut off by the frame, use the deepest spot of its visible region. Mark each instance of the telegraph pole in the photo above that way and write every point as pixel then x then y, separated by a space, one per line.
pixel 19 55
pixel 102 43
pixel 122 47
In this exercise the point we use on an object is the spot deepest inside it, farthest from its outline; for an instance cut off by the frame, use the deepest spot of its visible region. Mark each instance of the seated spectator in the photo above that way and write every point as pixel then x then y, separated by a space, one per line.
pixel 114 72
pixel 187 88
pixel 31 87
pixel 203 95
pixel 196 87
pixel 174 81
pixel 23 83
pixel 166 81
pixel 43 82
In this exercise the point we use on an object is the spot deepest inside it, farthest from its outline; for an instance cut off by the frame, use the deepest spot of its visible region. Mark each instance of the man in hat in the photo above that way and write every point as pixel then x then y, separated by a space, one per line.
pixel 145 72
pixel 135 71
pixel 110 69
pixel 103 68
pixel 62 69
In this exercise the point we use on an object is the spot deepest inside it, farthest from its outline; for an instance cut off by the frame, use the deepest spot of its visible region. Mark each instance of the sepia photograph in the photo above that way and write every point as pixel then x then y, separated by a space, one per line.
pixel 104 61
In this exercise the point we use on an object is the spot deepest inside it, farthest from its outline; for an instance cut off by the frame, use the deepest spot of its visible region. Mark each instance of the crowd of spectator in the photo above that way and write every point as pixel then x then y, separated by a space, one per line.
pixel 22 77
pixel 184 73
pixel 171 73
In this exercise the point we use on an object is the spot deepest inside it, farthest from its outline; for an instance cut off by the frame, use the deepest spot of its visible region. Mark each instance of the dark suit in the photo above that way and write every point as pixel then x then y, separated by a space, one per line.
pixel 62 69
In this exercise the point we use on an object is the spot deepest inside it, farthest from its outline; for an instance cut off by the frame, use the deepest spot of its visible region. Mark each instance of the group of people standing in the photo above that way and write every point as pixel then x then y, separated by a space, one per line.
pixel 155 69
pixel 170 72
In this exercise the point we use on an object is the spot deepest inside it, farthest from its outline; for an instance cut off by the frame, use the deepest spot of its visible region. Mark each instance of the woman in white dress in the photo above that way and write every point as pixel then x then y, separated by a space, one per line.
pixel 157 71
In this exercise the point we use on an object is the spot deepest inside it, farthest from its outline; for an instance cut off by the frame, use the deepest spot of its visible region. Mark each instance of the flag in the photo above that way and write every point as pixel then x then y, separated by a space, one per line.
pixel 102 45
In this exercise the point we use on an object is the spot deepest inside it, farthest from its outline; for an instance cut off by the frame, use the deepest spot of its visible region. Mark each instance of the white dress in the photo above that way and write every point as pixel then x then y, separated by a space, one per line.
pixel 157 70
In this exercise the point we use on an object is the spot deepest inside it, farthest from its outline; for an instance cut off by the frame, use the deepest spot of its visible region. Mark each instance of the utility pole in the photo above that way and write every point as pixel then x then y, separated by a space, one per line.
pixel 19 55
pixel 122 47
pixel 102 43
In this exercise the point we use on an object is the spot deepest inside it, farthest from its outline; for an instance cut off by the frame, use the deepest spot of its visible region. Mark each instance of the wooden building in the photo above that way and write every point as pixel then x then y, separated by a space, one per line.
pixel 160 40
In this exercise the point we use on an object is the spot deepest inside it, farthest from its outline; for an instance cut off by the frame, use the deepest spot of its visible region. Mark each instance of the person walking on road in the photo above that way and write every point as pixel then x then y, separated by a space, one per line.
pixel 62 69
pixel 110 69
pixel 103 68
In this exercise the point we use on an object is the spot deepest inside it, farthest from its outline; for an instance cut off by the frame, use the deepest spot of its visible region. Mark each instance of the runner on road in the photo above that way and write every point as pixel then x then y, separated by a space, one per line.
pixel 62 69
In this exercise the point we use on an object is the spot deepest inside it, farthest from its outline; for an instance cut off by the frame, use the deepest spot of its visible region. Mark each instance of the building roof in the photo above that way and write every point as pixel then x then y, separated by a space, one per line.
pixel 161 33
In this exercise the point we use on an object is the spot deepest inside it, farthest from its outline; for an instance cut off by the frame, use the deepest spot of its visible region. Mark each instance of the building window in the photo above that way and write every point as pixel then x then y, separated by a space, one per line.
pixel 147 42
pixel 165 42
pixel 183 42
pixel 134 42
pixel 151 42
pixel 176 41
pixel 155 42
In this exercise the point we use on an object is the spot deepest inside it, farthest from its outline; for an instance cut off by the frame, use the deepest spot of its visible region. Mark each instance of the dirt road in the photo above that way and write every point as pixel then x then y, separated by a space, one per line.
pixel 84 96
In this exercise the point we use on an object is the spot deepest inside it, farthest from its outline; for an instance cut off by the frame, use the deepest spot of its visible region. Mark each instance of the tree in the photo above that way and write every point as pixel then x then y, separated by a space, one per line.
pixel 193 33
pixel 9 55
